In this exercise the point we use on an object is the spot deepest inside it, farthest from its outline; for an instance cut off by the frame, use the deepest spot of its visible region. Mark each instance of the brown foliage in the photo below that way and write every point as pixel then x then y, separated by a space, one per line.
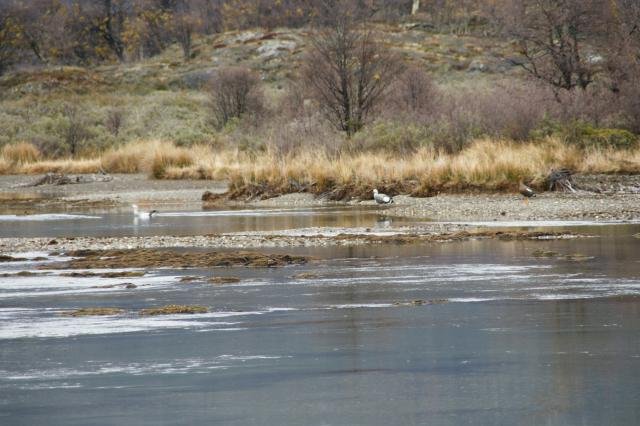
pixel 234 92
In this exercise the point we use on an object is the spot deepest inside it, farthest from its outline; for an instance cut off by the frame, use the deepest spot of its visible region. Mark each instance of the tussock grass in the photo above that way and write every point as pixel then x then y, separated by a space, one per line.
pixel 66 166
pixel 154 158
pixel 486 165
pixel 20 153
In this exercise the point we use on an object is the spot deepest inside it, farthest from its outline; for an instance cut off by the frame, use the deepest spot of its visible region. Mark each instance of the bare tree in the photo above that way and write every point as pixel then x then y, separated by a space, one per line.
pixel 551 35
pixel 348 72
pixel 234 92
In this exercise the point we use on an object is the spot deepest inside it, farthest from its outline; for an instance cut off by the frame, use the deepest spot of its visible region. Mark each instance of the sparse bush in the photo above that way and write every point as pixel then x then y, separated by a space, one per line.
pixel 114 121
pixel 585 135
pixel 414 92
pixel 76 132
pixel 629 103
pixel 392 137
pixel 20 153
pixel 235 92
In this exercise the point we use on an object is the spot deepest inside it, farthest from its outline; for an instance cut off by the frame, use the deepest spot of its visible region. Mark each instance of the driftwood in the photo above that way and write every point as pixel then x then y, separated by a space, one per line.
pixel 560 180
pixel 62 179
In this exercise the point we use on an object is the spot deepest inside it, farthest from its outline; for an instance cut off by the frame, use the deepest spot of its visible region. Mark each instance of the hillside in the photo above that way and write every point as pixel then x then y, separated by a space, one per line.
pixel 166 97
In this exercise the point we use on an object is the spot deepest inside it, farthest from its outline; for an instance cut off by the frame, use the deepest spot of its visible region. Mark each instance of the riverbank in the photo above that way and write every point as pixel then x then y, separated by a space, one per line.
pixel 601 198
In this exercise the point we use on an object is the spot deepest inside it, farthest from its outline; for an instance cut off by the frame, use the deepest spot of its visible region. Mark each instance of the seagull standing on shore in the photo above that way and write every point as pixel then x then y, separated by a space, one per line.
pixel 525 191
pixel 381 198
pixel 141 214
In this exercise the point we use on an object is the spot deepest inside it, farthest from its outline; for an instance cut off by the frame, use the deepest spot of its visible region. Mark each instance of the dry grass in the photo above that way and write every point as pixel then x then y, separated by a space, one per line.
pixel 25 158
pixel 20 153
pixel 486 165
pixel 153 157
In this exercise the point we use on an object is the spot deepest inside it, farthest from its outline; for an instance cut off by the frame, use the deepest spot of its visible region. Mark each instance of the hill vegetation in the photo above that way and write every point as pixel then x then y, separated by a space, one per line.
pixel 460 95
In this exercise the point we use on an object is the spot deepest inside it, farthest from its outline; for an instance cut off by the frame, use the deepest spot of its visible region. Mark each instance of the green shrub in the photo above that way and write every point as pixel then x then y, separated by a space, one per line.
pixel 586 135
pixel 392 137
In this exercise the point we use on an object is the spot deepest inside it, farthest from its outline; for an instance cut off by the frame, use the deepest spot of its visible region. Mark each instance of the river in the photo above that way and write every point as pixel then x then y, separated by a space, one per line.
pixel 499 336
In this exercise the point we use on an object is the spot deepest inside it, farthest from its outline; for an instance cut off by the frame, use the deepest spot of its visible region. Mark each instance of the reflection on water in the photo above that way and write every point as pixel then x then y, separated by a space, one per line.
pixel 189 222
pixel 521 340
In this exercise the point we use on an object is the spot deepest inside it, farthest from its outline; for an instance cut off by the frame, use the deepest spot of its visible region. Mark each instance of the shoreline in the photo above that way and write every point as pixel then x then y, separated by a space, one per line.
pixel 617 201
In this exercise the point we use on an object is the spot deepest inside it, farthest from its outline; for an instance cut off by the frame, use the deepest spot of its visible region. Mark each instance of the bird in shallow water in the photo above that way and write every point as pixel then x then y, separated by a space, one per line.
pixel 525 191
pixel 142 214
pixel 381 198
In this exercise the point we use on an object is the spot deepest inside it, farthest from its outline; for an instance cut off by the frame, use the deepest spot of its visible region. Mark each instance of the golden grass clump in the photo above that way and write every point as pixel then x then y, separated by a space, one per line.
pixel 153 157
pixel 20 153
pixel 66 166
pixel 125 159
pixel 485 165
pixel 167 155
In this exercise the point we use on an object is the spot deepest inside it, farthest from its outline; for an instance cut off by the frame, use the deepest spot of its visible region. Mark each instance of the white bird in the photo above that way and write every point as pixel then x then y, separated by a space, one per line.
pixel 141 214
pixel 381 198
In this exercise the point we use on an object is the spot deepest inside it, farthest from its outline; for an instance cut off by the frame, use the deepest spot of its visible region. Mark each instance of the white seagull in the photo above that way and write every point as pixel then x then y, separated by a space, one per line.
pixel 381 198
pixel 140 214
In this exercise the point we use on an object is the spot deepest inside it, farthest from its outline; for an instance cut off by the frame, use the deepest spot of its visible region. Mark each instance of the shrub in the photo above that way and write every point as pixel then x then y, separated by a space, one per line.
pixel 20 153
pixel 585 135
pixel 414 92
pixel 235 92
pixel 392 137
pixel 114 121
pixel 76 132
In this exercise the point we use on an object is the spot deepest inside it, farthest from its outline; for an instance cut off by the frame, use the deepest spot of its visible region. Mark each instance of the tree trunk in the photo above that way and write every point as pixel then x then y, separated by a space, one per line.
pixel 415 6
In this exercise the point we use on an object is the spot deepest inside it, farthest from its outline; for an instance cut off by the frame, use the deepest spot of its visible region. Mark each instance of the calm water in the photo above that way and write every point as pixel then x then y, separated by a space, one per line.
pixel 521 340
pixel 123 223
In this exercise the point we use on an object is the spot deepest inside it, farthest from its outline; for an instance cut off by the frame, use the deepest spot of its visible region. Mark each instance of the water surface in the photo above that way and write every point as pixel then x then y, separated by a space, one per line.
pixel 509 339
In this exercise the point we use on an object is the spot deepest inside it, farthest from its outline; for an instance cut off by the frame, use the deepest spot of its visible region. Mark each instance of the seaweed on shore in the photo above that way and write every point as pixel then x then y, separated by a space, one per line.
pixel 175 309
pixel 84 312
pixel 223 280
pixel 148 258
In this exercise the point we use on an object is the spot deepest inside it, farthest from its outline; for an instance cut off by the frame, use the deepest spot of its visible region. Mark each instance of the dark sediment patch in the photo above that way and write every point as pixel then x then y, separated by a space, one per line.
pixel 175 309
pixel 7 258
pixel 84 312
pixel 123 285
pixel 23 274
pixel 123 274
pixel 223 280
pixel 573 257
pixel 190 278
pixel 305 276
pixel 459 236
pixel 420 302
pixel 148 258
pixel 545 253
